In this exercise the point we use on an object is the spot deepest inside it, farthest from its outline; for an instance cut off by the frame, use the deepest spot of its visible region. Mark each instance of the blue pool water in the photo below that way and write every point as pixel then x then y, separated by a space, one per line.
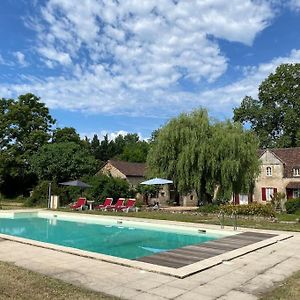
pixel 116 240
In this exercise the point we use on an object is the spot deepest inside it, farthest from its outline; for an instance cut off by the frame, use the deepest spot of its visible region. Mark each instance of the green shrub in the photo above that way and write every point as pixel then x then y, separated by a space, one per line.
pixel 40 195
pixel 209 208
pixel 292 205
pixel 105 186
pixel 253 209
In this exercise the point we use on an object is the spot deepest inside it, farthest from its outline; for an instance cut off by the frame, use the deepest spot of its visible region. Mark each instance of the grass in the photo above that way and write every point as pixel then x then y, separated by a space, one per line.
pixel 286 290
pixel 208 219
pixel 11 204
pixel 18 283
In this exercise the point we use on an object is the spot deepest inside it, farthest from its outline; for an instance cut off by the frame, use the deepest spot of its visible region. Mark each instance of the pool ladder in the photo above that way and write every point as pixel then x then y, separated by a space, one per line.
pixel 233 216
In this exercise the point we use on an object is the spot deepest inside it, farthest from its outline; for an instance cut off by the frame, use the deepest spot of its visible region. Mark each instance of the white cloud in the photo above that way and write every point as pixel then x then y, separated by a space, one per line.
pixel 224 98
pixel 111 134
pixel 5 62
pixel 20 58
pixel 2 61
pixel 149 44
pixel 294 4
pixel 130 56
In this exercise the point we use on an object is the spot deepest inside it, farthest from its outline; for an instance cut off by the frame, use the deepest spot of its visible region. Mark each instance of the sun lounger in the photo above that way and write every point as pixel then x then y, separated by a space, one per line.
pixel 79 203
pixel 119 203
pixel 107 202
pixel 129 205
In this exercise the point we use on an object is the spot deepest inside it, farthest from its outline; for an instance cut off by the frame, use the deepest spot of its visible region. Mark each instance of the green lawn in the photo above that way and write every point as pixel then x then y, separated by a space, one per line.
pixel 286 290
pixel 18 283
pixel 208 219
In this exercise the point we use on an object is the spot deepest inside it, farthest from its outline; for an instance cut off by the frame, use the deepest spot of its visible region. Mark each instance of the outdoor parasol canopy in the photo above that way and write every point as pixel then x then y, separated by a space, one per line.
pixel 77 183
pixel 156 181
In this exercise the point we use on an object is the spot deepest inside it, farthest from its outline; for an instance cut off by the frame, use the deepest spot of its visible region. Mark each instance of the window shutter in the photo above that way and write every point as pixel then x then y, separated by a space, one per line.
pixel 263 194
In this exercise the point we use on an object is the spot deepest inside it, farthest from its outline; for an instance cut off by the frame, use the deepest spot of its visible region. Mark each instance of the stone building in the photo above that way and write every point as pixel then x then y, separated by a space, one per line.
pixel 134 173
pixel 280 172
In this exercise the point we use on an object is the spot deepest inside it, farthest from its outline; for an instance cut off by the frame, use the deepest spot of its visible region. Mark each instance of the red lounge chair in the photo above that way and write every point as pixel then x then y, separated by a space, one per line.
pixel 107 202
pixel 130 204
pixel 119 203
pixel 79 203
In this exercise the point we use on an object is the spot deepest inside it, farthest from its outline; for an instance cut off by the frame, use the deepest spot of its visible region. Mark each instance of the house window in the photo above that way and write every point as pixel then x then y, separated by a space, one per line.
pixel 269 171
pixel 296 193
pixel 267 193
pixel 296 172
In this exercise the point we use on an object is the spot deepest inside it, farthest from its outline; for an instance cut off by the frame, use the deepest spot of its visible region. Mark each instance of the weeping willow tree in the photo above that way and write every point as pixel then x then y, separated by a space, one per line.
pixel 200 156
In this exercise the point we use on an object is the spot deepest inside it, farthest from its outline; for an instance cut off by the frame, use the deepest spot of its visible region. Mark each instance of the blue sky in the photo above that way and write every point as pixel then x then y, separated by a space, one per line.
pixel 105 66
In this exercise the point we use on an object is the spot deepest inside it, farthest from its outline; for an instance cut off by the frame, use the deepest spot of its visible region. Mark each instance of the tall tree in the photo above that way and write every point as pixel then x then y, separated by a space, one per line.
pixel 201 156
pixel 66 134
pixel 95 147
pixel 274 117
pixel 25 125
pixel 63 161
pixel 135 152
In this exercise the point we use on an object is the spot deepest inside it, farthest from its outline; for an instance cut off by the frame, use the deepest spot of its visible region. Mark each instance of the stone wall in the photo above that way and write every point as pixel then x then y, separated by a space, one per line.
pixel 277 180
pixel 109 169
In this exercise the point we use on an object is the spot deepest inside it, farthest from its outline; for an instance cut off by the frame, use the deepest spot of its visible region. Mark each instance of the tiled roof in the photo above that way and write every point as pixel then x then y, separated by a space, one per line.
pixel 293 185
pixel 129 168
pixel 289 156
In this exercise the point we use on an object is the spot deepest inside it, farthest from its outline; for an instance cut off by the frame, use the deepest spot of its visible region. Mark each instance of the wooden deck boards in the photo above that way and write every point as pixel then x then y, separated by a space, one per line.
pixel 191 254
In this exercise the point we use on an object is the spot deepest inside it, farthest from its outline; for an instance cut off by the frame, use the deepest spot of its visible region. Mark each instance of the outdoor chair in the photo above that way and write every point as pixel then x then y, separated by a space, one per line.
pixel 107 202
pixel 79 203
pixel 129 205
pixel 119 203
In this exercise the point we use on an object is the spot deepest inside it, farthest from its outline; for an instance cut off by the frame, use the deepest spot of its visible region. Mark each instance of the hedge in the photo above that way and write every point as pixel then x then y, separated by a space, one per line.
pixel 253 209
pixel 292 205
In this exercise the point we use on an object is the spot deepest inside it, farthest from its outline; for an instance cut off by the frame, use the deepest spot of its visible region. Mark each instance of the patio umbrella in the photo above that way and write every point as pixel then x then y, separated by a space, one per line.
pixel 76 183
pixel 156 181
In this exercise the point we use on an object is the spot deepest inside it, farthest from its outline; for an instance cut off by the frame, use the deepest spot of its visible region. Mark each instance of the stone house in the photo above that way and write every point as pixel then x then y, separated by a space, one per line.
pixel 134 173
pixel 280 172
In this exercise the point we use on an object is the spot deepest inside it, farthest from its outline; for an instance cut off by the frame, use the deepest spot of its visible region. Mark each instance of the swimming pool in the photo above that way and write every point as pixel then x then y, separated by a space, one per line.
pixel 110 236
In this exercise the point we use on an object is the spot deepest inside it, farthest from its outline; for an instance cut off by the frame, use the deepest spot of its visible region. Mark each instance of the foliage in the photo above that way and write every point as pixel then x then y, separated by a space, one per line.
pixel 209 208
pixel 136 152
pixel 66 134
pixel 104 186
pixel 200 155
pixel 277 201
pixel 292 205
pixel 63 161
pixel 274 117
pixel 128 148
pixel 40 194
pixel 231 159
pixel 25 126
pixel 253 209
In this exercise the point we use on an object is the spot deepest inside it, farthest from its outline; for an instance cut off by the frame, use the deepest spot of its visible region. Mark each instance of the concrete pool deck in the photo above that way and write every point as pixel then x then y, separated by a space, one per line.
pixel 242 277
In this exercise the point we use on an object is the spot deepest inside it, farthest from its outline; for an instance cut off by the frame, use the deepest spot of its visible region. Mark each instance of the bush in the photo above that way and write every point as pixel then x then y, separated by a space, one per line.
pixel 40 195
pixel 104 186
pixel 209 208
pixel 253 209
pixel 292 205
pixel 278 200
